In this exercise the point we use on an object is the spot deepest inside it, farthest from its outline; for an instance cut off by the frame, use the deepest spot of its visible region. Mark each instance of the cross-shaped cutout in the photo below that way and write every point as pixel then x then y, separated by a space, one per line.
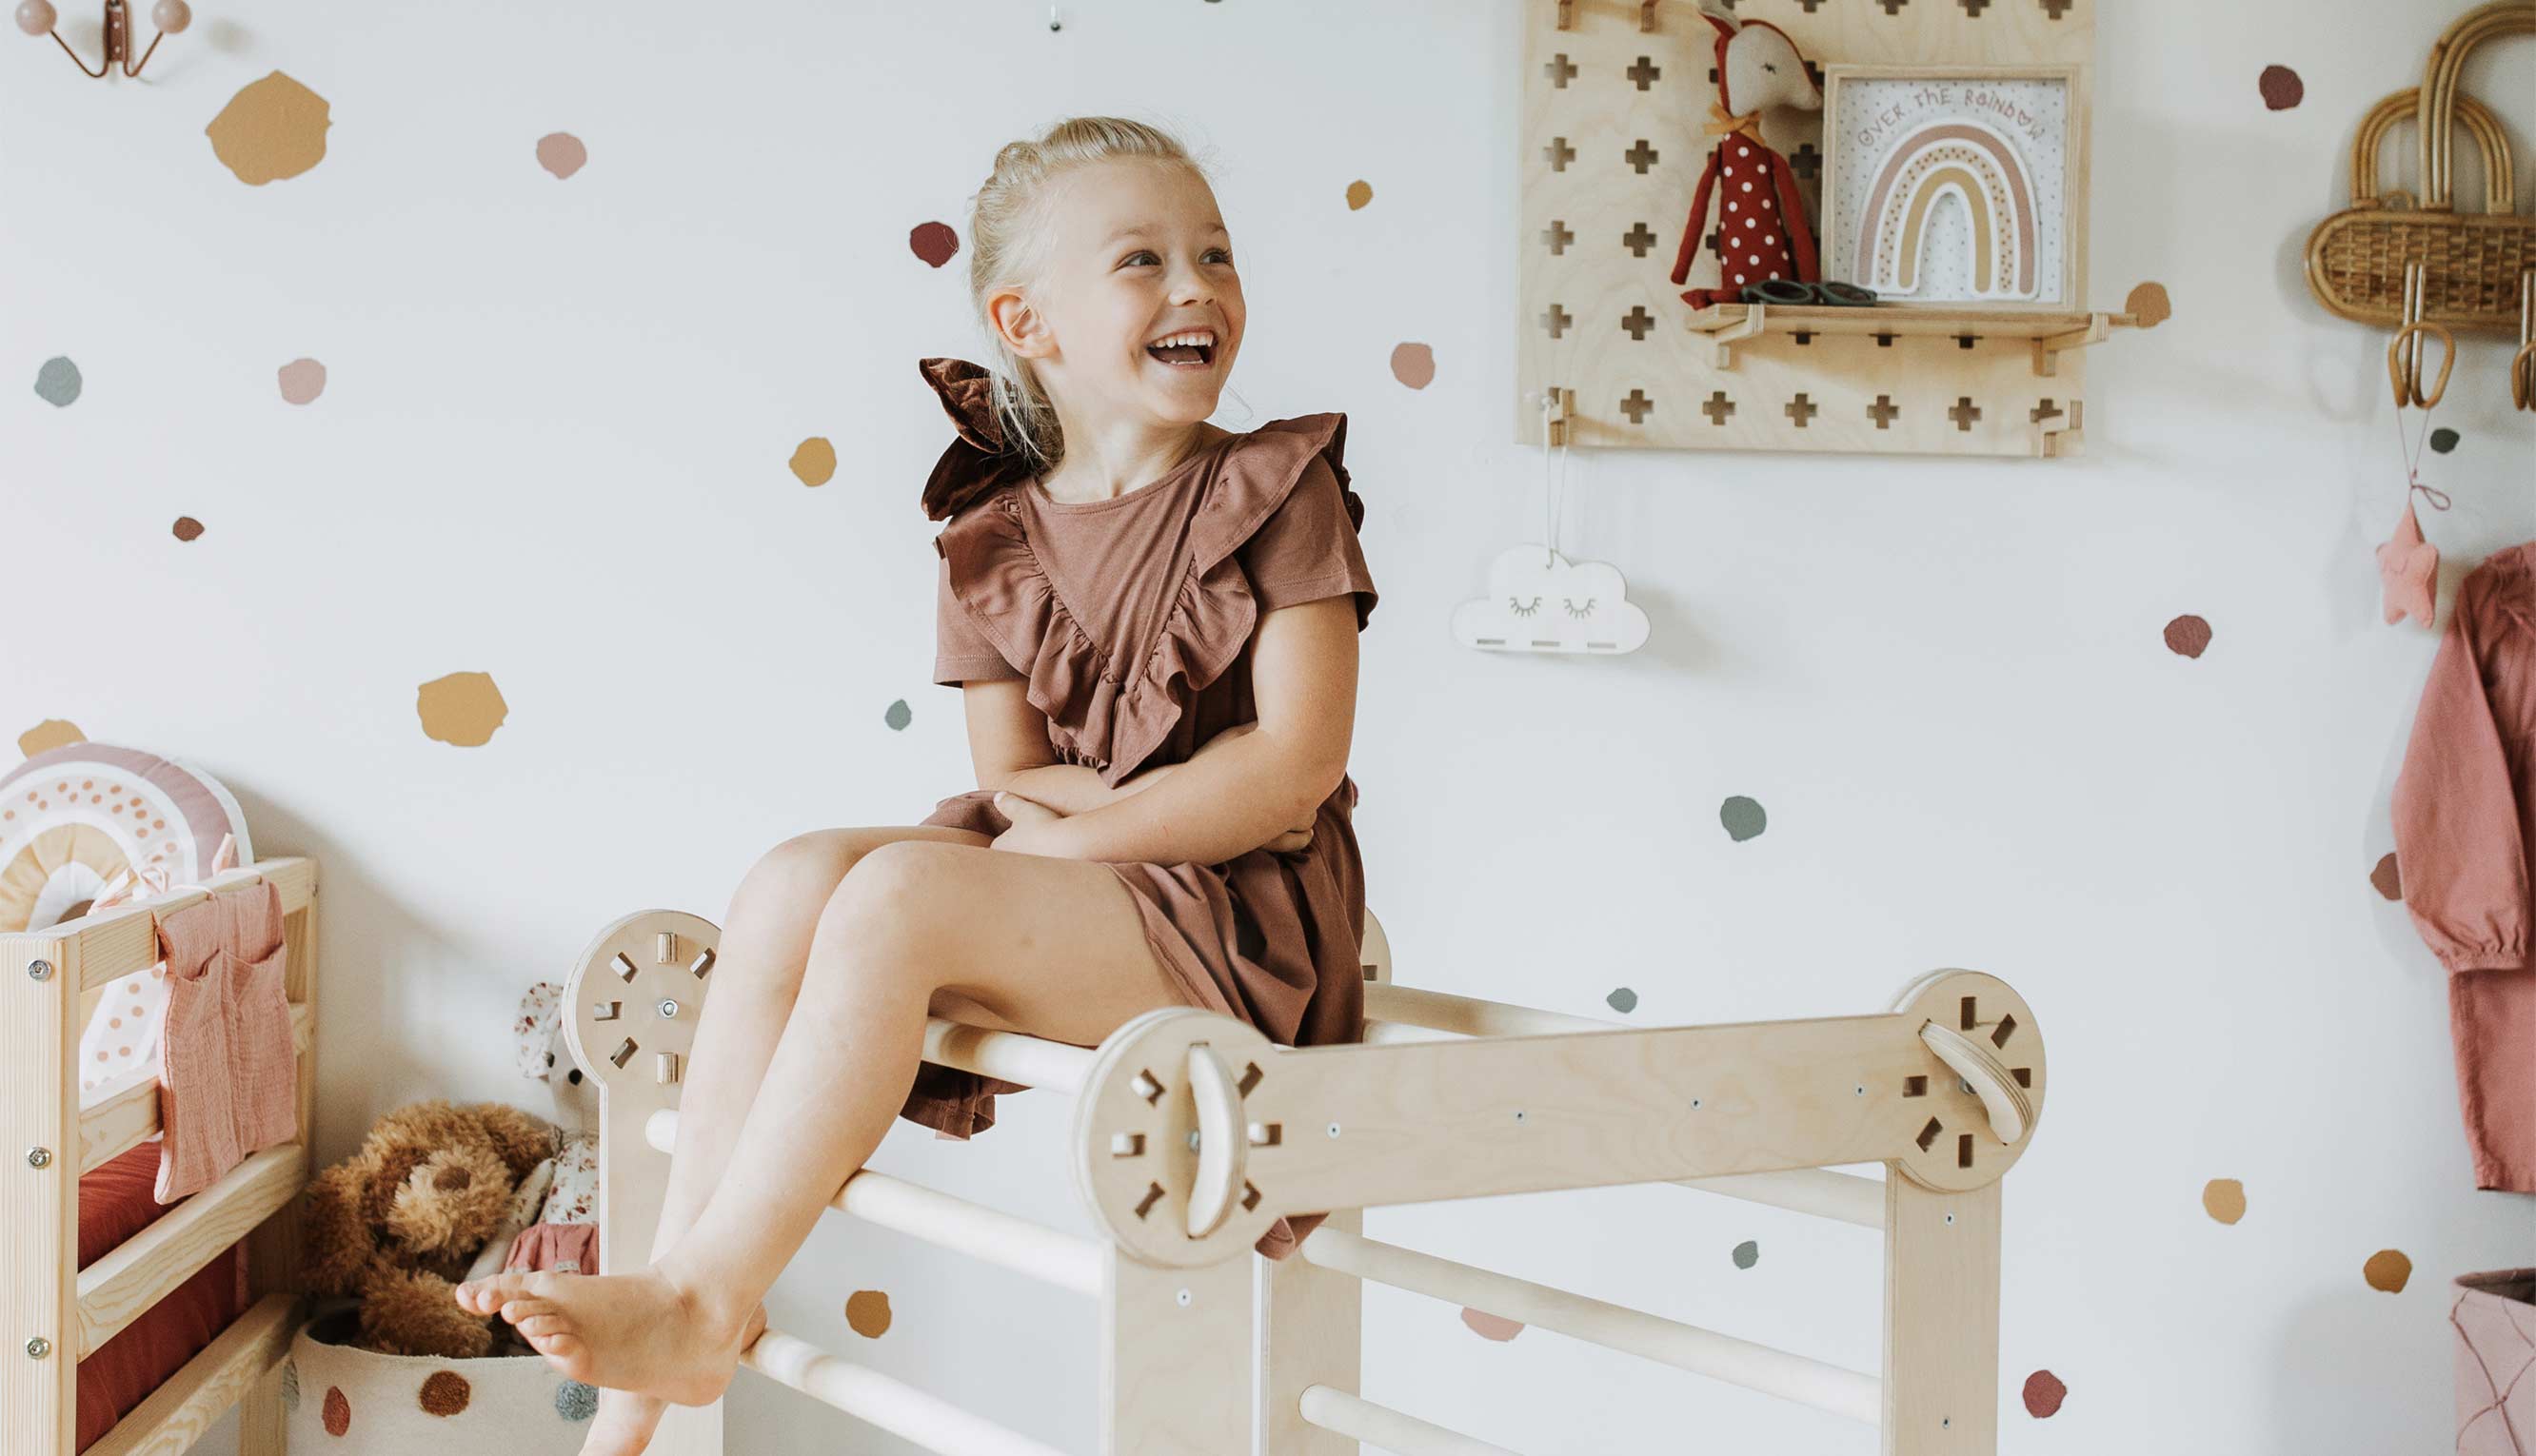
pixel 1803 336
pixel 1884 411
pixel 1966 341
pixel 1884 341
pixel 1801 409
pixel 1557 236
pixel 1964 414
pixel 1717 243
pixel 2056 7
pixel 1559 153
pixel 1638 239
pixel 1892 7
pixel 1810 5
pixel 1718 409
pixel 1559 69
pixel 1638 321
pixel 1644 73
pixel 1557 320
pixel 1974 8
pixel 1808 162
pixel 2042 411
pixel 1637 407
pixel 1640 156
pixel 1813 73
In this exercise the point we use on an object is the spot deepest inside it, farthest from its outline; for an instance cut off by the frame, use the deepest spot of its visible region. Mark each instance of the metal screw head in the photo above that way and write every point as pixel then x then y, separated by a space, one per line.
pixel 1184 1299
pixel 40 969
pixel 1518 1116
pixel 668 1009
pixel 39 1157
pixel 1334 1129
pixel 1951 1218
pixel 38 1347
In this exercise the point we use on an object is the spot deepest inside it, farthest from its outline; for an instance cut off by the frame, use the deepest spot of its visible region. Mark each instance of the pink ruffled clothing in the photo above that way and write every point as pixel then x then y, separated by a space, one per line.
pixel 228 1074
pixel 2465 819
pixel 561 1248
pixel 1131 622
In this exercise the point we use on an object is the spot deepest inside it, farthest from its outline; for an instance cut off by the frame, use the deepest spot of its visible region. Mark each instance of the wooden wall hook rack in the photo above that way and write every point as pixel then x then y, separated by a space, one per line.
pixel 37 17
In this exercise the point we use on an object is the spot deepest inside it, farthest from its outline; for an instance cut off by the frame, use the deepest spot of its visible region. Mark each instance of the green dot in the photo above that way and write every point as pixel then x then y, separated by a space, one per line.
pixel 2444 440
pixel 896 716
pixel 1743 819
pixel 1622 999
pixel 1746 1255
pixel 58 381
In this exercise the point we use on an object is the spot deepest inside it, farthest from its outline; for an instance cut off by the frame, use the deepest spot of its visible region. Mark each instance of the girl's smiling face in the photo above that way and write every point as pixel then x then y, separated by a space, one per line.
pixel 1139 254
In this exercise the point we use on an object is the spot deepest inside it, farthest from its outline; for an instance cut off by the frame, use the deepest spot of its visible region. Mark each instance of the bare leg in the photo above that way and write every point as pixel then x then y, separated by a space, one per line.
pixel 764 943
pixel 1047 945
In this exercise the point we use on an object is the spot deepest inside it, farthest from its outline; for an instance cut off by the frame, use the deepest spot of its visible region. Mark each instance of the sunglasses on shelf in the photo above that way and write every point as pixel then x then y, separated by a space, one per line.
pixel 1829 293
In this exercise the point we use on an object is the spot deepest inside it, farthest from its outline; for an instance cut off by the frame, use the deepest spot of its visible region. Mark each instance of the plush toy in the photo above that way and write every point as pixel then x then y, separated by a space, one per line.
pixel 398 1223
pixel 1761 229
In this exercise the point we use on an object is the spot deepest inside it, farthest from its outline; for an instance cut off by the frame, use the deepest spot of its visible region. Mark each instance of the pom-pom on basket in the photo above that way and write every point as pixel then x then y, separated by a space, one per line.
pixel 337 1397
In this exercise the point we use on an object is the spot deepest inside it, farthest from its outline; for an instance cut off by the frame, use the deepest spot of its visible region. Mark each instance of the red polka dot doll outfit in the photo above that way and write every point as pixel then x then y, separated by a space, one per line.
pixel 1760 222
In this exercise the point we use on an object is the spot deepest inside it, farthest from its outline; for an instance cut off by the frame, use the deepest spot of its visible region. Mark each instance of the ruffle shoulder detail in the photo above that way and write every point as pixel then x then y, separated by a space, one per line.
pixel 1111 714
pixel 977 460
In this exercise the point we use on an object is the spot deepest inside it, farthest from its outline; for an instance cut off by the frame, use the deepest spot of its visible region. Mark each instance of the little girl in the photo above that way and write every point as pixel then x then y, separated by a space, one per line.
pixel 1153 623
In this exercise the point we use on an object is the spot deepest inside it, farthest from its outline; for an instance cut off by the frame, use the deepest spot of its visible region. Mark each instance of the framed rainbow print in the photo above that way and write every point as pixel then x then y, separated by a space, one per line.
pixel 1957 185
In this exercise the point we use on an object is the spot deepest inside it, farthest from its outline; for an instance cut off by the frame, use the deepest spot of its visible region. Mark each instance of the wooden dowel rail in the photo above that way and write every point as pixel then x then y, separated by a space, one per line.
pixel 880 1399
pixel 1795 1377
pixel 1413 1015
pixel 1392 1430
pixel 125 938
pixel 1011 1055
pixel 937 1217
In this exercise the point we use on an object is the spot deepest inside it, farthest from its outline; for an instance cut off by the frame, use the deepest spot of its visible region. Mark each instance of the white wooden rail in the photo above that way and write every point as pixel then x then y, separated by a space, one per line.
pixel 1449 1096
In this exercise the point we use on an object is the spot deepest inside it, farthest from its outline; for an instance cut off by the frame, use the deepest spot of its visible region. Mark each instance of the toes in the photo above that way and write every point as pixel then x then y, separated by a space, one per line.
pixel 536 1325
pixel 515 1310
pixel 486 1294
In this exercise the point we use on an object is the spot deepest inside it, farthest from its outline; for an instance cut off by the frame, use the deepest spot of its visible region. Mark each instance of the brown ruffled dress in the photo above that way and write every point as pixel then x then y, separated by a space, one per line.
pixel 1131 620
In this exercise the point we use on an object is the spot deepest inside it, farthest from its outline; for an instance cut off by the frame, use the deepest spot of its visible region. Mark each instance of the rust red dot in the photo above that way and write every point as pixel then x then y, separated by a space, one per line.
pixel 2044 1394
pixel 2188 636
pixel 188 528
pixel 934 242
pixel 2388 880
pixel 337 1412
pixel 445 1393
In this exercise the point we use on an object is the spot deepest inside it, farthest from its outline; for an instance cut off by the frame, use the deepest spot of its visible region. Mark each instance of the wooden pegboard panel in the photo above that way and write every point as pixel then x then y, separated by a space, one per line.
pixel 1614 142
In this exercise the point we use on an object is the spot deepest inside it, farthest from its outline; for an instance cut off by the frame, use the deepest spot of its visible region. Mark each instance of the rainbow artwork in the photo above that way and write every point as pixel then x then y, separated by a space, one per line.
pixel 1950 189
pixel 1966 162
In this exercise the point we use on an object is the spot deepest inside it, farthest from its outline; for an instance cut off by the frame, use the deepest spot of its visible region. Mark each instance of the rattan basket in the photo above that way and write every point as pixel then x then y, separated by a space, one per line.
pixel 2474 264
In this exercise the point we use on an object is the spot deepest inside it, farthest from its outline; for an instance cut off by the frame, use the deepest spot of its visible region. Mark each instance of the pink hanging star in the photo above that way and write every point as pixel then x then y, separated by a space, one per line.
pixel 2408 568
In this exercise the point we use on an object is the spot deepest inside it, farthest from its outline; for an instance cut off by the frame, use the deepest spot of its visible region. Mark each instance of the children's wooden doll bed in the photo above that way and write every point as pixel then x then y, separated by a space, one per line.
pixel 55 1153
pixel 1192 1133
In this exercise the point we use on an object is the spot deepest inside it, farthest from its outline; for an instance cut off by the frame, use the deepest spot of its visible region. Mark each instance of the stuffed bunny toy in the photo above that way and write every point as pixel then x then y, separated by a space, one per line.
pixel 1761 229
pixel 543 1056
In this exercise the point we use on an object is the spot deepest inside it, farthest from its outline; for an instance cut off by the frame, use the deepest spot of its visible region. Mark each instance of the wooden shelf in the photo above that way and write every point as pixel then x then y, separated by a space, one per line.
pixel 1722 326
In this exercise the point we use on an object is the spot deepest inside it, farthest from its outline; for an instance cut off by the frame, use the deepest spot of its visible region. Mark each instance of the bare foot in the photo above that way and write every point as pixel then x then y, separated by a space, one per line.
pixel 632 1332
pixel 626 1421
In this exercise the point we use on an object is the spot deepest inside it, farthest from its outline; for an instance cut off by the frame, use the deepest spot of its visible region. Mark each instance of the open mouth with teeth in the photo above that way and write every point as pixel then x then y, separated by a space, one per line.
pixel 1188 351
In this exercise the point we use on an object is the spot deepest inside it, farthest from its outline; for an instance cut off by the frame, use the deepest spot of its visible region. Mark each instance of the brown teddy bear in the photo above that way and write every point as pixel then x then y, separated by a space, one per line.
pixel 397 1224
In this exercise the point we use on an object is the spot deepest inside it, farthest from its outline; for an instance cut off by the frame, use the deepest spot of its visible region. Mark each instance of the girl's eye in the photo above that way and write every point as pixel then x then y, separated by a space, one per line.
pixel 1144 256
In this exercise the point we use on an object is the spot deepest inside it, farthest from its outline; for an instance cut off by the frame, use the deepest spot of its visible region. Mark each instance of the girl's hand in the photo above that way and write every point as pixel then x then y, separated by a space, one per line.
pixel 1031 823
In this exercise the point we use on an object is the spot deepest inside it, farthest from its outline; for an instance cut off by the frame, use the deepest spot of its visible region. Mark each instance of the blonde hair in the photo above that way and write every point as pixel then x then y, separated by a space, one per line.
pixel 1008 246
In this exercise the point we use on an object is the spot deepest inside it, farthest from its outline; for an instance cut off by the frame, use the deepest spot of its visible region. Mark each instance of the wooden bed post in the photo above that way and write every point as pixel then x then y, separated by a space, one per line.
pixel 40 1167
pixel 273 1250
pixel 630 1008
pixel 1940 1319
pixel 1314 1317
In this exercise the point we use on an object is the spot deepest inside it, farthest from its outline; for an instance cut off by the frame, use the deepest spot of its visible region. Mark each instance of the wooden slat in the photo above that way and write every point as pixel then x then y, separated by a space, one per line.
pixel 178 1412
pixel 273 1250
pixel 1940 1320
pixel 38 1212
pixel 117 1289
pixel 125 939
pixel 115 1127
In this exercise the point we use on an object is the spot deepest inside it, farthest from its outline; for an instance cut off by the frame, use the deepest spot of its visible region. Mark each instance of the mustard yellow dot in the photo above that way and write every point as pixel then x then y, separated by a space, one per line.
pixel 815 461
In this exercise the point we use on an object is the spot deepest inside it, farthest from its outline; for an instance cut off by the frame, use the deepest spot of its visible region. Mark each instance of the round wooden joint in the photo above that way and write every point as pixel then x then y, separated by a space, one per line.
pixel 1162 1145
pixel 1976 1091
pixel 633 999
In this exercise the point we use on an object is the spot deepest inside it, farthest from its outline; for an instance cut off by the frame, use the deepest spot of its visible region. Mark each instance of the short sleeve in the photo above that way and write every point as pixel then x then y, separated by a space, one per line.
pixel 961 653
pixel 1307 549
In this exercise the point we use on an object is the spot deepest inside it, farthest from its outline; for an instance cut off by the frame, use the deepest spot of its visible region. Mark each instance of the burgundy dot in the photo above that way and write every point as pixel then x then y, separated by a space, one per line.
pixel 445 1393
pixel 2044 1394
pixel 934 242
pixel 2281 88
pixel 339 1411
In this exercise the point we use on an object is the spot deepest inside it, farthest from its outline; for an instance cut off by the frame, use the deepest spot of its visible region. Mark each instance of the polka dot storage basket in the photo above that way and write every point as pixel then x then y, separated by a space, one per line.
pixel 339 1397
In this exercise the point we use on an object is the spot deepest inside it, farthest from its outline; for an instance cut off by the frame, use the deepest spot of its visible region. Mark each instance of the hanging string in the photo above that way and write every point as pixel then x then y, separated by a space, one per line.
pixel 2410 451
pixel 1552 492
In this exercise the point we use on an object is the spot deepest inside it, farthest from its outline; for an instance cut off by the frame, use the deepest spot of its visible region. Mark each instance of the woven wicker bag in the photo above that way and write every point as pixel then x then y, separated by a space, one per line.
pixel 2474 264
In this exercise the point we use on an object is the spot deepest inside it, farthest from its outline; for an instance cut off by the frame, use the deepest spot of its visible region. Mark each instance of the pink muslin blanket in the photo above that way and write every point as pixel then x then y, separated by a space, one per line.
pixel 229 1077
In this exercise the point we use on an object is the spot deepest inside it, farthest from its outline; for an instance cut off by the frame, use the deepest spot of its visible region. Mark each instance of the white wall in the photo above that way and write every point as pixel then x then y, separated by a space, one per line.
pixel 552 448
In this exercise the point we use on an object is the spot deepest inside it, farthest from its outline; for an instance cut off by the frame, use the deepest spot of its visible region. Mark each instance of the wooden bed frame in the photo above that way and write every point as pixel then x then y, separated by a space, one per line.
pixel 59 1314
pixel 1193 1132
